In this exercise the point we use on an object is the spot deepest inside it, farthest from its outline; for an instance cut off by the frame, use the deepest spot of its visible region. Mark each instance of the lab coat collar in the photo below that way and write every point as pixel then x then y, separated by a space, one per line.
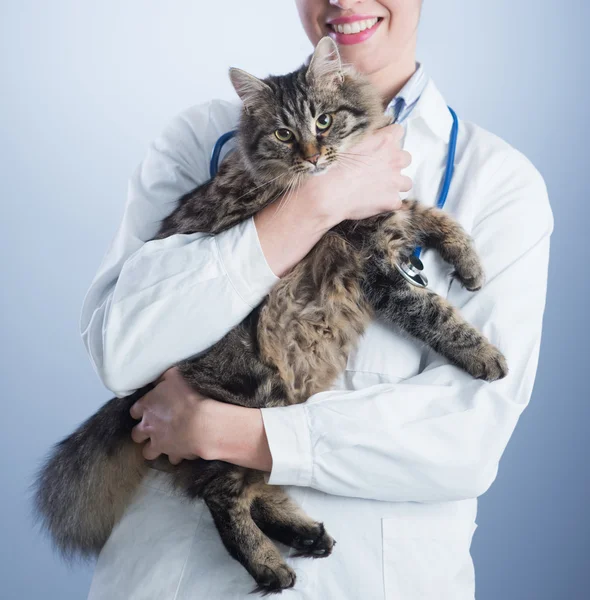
pixel 433 111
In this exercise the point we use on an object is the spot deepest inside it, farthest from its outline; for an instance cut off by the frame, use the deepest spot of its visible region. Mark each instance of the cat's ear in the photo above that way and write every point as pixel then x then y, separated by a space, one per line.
pixel 325 65
pixel 247 86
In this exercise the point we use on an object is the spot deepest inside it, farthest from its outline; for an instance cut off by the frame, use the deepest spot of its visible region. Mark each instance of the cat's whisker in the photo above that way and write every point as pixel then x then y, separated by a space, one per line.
pixel 353 156
pixel 295 182
pixel 265 184
pixel 291 191
pixel 350 159
pixel 280 195
pixel 283 196
pixel 347 161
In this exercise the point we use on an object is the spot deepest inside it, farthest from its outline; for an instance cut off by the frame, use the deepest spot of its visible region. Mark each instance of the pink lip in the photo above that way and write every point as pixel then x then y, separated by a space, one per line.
pixel 351 19
pixel 347 39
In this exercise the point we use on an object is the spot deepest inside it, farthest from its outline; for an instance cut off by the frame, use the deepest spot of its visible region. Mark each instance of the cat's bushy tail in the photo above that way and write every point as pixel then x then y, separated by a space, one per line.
pixel 89 479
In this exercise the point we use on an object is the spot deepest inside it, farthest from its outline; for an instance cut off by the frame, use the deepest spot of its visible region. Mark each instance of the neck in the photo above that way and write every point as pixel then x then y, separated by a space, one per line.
pixel 392 78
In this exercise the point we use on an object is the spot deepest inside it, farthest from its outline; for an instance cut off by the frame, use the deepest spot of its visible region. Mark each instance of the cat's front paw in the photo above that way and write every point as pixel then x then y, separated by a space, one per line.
pixel 471 277
pixel 487 363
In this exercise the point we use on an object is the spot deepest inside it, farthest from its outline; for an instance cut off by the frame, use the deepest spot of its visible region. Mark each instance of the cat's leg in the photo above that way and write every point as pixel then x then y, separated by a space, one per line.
pixel 283 520
pixel 229 498
pixel 232 370
pixel 433 228
pixel 433 320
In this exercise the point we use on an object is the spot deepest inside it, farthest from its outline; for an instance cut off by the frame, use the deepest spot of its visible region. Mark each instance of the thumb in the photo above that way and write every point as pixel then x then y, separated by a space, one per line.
pixel 149 451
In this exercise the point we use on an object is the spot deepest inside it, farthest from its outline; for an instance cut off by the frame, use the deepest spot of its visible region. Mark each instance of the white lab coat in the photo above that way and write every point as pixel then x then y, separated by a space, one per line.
pixel 392 458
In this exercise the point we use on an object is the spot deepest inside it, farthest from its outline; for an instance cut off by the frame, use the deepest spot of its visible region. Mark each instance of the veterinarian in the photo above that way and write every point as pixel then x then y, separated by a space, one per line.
pixel 393 458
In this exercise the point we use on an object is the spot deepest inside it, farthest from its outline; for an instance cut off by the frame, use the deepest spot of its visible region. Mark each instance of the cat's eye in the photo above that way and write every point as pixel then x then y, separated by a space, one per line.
pixel 323 122
pixel 284 135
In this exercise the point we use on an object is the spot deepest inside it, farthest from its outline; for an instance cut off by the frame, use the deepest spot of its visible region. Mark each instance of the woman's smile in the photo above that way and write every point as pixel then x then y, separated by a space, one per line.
pixel 353 29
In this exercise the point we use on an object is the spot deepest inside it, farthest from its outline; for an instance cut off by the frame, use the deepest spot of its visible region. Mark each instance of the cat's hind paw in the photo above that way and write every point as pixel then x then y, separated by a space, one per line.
pixel 273 580
pixel 315 543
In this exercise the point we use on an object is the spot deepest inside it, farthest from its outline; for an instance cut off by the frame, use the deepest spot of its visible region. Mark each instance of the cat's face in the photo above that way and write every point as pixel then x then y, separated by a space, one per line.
pixel 302 123
pixel 302 129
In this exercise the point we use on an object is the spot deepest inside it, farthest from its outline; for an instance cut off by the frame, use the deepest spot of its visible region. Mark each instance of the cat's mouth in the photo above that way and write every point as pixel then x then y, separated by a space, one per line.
pixel 307 170
pixel 319 170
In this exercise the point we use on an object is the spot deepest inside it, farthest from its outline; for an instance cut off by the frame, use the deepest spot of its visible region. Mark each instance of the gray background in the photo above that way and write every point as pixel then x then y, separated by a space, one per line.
pixel 86 86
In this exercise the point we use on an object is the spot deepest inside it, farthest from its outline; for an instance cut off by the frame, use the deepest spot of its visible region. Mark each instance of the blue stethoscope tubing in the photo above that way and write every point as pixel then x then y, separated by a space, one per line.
pixel 450 168
pixel 219 144
pixel 413 270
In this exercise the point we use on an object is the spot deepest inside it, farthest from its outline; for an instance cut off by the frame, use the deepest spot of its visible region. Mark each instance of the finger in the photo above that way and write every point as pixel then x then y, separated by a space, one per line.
pixel 139 434
pixel 161 378
pixel 174 460
pixel 403 159
pixel 405 183
pixel 393 203
pixel 170 372
pixel 396 131
pixel 150 452
pixel 396 203
pixel 136 411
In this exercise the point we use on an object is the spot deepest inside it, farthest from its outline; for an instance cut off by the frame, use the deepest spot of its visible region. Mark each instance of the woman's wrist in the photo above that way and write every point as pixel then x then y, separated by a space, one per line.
pixel 290 227
pixel 237 436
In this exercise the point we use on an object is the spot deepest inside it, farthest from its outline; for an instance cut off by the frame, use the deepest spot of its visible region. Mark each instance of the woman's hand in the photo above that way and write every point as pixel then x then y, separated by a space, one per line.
pixel 366 182
pixel 179 422
pixel 173 417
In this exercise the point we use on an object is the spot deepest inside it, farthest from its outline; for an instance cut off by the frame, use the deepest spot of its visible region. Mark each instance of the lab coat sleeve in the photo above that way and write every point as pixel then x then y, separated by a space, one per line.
pixel 154 303
pixel 439 435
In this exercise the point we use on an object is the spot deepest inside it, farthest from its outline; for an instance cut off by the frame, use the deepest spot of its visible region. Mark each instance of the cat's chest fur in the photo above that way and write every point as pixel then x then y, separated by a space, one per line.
pixel 315 315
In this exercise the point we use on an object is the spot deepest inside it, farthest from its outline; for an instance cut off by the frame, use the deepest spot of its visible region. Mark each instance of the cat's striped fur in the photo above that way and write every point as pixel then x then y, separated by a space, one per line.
pixel 293 345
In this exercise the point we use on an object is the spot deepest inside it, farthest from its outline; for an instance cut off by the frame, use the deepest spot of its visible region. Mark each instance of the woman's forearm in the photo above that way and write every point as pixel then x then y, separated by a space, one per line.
pixel 242 438
pixel 288 229
pixel 182 423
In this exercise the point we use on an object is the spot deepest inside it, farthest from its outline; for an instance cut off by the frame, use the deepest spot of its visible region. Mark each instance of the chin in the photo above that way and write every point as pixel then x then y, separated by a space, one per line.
pixel 321 171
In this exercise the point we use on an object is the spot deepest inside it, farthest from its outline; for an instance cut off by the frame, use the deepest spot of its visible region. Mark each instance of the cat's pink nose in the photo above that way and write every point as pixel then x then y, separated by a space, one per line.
pixel 313 159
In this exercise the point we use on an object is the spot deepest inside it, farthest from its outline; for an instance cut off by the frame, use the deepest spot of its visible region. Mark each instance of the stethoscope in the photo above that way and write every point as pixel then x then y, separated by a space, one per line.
pixel 413 269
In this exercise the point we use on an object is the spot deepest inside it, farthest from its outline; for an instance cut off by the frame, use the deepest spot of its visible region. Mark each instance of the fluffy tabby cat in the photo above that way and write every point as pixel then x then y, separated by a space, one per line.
pixel 295 343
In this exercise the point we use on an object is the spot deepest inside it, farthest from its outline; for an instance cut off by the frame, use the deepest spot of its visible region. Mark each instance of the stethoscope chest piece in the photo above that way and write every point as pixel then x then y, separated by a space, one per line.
pixel 412 271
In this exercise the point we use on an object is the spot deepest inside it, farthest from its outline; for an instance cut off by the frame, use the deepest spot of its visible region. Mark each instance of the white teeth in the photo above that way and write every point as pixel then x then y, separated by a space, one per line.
pixel 355 27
